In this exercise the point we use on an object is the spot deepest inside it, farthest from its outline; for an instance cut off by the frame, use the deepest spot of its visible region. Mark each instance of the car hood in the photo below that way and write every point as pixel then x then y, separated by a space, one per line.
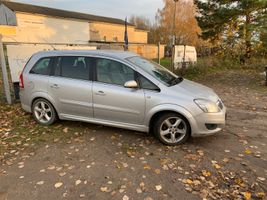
pixel 196 90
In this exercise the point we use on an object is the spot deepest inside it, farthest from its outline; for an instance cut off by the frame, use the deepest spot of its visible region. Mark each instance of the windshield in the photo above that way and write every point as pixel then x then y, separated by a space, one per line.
pixel 156 70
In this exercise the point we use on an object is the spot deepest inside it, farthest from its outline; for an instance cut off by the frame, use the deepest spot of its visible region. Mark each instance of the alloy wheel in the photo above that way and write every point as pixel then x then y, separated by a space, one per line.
pixel 173 130
pixel 43 112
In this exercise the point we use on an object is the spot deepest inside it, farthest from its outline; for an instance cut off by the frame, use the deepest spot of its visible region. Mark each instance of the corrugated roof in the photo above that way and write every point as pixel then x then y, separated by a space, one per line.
pixel 28 8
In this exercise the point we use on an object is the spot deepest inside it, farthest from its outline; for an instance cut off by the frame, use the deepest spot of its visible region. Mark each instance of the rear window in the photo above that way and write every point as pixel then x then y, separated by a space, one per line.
pixel 42 67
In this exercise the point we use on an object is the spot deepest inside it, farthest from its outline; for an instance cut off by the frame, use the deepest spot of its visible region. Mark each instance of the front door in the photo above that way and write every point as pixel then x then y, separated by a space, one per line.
pixel 111 100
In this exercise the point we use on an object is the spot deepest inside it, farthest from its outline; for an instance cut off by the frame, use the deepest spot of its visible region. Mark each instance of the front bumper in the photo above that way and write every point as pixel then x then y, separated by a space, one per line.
pixel 208 123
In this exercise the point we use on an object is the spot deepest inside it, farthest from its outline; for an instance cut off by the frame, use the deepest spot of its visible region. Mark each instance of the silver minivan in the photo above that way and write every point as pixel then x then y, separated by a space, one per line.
pixel 119 89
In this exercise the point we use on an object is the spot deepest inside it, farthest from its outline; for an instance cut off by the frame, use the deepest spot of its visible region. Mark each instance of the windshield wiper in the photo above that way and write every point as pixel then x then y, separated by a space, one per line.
pixel 175 81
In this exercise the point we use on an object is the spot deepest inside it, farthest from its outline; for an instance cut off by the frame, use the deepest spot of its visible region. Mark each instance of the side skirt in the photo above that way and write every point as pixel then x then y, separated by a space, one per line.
pixel 134 127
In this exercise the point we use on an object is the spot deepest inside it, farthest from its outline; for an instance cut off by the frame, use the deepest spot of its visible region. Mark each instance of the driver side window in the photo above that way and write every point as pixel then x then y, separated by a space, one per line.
pixel 147 84
pixel 113 72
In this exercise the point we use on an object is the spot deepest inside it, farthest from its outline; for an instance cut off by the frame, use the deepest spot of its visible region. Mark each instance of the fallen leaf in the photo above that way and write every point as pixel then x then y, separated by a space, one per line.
pixel 104 189
pixel 62 174
pixel 9 163
pixel 77 182
pixel 261 178
pixel 196 182
pixel 58 185
pixel 260 194
pixel 247 195
pixel 125 197
pixel 158 187
pixel 139 191
pixel 248 152
pixel 51 167
pixel 40 183
pixel 216 166
pixel 65 130
pixel 206 173
pixel 147 167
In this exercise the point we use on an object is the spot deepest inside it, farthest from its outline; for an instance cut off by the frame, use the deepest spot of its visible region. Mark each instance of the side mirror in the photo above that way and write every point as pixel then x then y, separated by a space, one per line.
pixel 131 84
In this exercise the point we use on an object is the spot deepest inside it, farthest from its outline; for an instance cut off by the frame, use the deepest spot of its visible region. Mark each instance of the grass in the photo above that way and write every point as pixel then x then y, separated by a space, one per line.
pixel 225 70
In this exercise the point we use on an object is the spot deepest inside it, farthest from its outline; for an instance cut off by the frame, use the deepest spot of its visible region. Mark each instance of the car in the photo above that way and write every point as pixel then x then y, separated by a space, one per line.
pixel 119 89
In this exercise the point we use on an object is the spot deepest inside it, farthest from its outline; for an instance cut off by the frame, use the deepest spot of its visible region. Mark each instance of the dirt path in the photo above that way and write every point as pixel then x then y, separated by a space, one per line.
pixel 108 163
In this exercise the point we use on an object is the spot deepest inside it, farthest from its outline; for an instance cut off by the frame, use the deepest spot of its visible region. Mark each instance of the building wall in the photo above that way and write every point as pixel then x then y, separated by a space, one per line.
pixel 42 29
pixel 140 36
pixel 115 33
pixel 149 51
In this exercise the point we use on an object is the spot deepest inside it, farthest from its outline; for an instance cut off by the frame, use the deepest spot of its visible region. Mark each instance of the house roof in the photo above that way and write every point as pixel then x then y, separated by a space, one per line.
pixel 28 8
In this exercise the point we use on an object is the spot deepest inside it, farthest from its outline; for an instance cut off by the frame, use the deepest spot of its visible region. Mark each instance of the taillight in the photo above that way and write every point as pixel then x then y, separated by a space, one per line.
pixel 21 81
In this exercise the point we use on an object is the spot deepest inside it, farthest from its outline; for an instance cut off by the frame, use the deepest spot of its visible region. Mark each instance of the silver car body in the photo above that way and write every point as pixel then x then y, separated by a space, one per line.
pixel 117 106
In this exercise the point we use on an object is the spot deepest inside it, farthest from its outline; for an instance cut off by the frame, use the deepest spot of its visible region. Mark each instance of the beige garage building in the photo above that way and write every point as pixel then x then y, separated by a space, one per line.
pixel 42 25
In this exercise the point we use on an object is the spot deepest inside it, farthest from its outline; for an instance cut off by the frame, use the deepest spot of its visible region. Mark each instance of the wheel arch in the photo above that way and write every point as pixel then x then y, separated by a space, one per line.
pixel 163 109
pixel 43 96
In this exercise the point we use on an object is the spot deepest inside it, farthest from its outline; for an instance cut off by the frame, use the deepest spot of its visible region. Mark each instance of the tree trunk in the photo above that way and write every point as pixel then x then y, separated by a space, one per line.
pixel 248 36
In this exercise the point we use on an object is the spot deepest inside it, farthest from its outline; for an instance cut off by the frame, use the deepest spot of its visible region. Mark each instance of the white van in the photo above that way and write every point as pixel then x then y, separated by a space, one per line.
pixel 184 54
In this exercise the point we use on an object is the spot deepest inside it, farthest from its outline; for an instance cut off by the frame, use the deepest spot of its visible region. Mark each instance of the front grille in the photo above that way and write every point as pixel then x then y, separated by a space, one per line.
pixel 220 104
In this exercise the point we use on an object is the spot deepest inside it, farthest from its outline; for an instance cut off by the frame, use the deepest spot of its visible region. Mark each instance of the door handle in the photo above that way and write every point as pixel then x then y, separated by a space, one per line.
pixel 100 93
pixel 55 86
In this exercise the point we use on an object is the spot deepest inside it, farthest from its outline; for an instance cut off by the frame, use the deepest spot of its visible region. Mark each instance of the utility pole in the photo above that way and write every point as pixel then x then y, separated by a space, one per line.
pixel 174 35
pixel 4 72
pixel 159 52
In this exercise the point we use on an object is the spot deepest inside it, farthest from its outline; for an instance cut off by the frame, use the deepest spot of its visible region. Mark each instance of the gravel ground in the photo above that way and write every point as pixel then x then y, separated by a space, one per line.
pixel 97 162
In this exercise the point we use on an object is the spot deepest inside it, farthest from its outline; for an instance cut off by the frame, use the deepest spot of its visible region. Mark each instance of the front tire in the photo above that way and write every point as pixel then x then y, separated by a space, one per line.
pixel 172 129
pixel 44 112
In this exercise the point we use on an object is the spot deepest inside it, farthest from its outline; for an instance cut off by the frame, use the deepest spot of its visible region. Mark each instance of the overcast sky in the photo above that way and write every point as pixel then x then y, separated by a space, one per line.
pixel 110 8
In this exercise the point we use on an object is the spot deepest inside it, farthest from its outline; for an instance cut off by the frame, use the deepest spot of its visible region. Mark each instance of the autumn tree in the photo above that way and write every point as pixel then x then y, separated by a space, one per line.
pixel 140 22
pixel 232 23
pixel 186 27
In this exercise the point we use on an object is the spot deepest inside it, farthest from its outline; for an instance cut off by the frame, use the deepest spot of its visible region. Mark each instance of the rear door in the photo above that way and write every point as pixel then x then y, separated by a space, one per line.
pixel 111 100
pixel 37 78
pixel 71 88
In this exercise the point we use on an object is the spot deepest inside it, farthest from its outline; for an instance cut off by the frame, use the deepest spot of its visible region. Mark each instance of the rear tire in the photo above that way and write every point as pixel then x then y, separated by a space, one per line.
pixel 43 112
pixel 172 129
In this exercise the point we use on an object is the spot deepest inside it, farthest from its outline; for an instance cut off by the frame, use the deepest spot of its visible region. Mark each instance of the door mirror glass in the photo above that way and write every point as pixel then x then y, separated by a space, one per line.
pixel 131 84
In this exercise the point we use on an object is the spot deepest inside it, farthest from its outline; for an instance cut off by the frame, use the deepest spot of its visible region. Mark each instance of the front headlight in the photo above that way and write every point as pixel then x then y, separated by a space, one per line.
pixel 207 106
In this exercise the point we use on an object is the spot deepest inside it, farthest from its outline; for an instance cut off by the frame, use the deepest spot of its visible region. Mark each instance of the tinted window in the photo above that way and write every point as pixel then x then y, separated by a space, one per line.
pixel 73 67
pixel 113 72
pixel 147 84
pixel 42 67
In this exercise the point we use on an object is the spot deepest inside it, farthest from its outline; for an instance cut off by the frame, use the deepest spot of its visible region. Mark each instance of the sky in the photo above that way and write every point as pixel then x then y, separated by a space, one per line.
pixel 109 8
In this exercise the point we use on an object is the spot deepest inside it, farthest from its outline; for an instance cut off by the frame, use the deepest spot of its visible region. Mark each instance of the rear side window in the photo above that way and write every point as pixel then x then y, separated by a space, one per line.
pixel 42 67
pixel 75 67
